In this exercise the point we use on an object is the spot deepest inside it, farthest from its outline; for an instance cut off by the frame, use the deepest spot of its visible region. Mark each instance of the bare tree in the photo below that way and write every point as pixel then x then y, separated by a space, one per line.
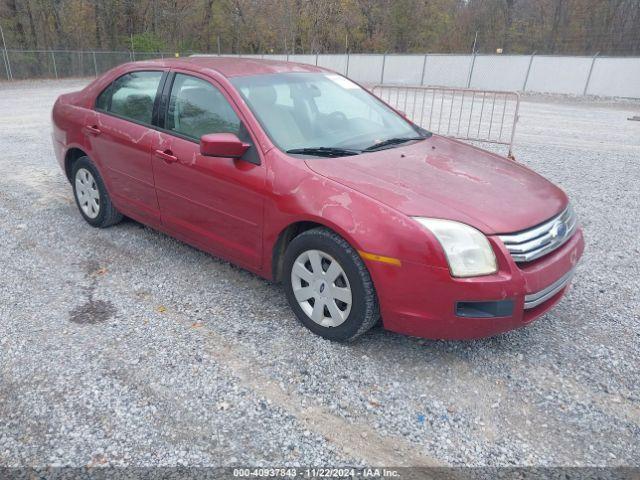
pixel 295 26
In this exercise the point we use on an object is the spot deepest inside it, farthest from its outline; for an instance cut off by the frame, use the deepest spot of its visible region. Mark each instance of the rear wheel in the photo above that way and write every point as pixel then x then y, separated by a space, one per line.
pixel 328 286
pixel 91 195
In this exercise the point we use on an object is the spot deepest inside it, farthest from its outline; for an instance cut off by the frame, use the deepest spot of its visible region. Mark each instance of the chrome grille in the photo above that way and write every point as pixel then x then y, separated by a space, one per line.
pixel 534 299
pixel 536 242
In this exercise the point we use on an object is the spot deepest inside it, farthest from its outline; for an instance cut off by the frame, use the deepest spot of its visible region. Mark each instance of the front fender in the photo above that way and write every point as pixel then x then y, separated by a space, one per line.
pixel 301 195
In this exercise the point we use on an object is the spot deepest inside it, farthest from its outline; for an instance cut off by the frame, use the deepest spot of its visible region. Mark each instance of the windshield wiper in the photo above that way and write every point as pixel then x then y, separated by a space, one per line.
pixel 392 141
pixel 324 151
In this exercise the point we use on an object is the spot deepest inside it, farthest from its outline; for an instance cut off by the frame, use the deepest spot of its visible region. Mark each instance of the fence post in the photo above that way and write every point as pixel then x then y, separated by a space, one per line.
pixel 4 59
pixel 346 73
pixel 95 63
pixel 586 85
pixel 473 63
pixel 55 68
pixel 7 64
pixel 384 60
pixel 316 59
pixel 424 66
pixel 526 77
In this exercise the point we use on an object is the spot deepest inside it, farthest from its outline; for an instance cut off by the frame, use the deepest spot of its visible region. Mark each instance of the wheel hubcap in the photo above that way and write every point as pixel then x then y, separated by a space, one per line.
pixel 87 193
pixel 321 288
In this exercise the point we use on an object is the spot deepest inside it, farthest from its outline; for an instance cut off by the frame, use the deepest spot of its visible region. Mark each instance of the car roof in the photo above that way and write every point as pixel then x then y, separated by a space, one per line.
pixel 234 66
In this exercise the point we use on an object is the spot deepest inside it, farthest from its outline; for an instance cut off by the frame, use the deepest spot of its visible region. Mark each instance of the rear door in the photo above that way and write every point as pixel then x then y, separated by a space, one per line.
pixel 214 203
pixel 120 136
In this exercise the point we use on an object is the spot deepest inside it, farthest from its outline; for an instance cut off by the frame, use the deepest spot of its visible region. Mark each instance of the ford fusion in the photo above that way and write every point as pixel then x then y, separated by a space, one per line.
pixel 305 178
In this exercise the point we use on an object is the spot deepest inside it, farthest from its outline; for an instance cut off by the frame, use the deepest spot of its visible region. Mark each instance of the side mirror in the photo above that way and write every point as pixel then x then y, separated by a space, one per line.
pixel 222 145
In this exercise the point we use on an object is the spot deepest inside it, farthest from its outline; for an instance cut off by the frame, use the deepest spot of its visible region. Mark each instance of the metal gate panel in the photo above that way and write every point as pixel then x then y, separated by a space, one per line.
pixel 488 116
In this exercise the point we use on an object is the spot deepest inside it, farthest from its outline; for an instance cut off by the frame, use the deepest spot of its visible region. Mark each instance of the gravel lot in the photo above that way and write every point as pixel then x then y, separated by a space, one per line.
pixel 125 347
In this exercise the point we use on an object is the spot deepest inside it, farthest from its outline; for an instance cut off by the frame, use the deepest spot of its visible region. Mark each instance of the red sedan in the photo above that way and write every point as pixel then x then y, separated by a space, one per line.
pixel 305 178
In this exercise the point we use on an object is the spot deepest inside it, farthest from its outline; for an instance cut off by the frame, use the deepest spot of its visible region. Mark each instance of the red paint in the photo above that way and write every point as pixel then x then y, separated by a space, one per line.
pixel 237 210
pixel 127 171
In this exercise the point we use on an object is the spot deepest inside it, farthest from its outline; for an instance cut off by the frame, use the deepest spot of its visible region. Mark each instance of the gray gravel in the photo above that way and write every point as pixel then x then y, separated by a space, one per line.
pixel 123 346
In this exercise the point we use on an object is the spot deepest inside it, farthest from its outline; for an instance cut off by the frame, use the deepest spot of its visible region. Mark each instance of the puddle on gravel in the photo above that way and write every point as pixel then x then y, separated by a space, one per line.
pixel 92 312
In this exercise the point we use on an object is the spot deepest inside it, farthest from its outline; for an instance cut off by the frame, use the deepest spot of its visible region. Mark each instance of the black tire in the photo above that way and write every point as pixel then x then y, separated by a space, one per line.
pixel 107 214
pixel 364 312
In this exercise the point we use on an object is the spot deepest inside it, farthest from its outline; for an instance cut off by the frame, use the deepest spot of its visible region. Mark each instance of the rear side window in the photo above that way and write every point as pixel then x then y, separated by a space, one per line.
pixel 196 108
pixel 131 96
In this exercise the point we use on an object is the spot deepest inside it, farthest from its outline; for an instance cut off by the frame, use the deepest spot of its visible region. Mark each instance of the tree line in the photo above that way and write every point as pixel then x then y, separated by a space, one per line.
pixel 326 26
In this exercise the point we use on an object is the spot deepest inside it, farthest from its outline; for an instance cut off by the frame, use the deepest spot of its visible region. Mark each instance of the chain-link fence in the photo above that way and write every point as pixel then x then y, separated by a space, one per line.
pixel 596 75
pixel 30 64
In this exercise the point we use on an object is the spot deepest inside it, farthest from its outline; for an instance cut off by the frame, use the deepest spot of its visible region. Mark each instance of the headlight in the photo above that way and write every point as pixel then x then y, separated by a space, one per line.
pixel 468 251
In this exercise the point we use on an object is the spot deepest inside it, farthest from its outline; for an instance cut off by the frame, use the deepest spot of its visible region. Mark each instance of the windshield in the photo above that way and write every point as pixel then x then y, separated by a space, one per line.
pixel 321 110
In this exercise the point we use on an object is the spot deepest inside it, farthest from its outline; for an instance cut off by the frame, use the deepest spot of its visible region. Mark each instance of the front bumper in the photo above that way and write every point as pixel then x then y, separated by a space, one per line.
pixel 423 300
pixel 532 300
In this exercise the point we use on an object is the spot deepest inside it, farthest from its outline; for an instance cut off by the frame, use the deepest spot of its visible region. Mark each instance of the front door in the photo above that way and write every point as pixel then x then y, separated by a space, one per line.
pixel 214 203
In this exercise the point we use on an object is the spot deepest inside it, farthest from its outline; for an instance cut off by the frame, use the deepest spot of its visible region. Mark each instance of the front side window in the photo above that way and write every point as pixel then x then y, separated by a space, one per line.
pixel 196 108
pixel 320 110
pixel 131 96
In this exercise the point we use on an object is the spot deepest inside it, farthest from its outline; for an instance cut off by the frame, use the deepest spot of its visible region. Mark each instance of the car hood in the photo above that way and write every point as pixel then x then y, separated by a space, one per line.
pixel 443 178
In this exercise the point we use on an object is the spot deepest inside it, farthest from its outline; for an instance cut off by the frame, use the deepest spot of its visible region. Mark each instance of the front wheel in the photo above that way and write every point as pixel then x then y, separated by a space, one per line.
pixel 328 286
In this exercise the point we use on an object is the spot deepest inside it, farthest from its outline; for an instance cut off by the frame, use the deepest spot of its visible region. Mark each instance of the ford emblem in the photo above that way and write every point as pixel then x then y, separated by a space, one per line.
pixel 558 230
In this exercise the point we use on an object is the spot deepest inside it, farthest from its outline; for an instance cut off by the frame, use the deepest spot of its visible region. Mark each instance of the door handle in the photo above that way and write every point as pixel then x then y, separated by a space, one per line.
pixel 167 156
pixel 92 130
